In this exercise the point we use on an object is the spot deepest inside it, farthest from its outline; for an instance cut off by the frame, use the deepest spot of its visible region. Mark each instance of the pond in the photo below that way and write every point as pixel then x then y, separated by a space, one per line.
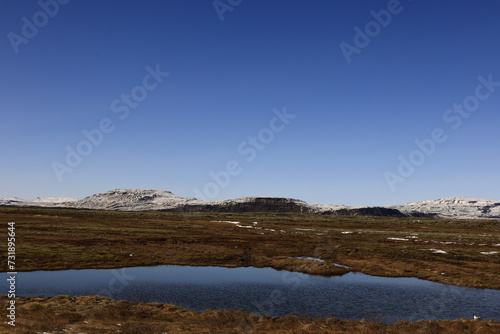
pixel 268 291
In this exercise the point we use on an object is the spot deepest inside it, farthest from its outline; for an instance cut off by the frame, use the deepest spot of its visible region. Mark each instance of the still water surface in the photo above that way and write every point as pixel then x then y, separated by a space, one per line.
pixel 269 291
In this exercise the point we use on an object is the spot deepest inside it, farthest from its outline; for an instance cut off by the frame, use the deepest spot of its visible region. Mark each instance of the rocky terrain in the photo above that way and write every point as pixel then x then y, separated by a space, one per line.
pixel 162 200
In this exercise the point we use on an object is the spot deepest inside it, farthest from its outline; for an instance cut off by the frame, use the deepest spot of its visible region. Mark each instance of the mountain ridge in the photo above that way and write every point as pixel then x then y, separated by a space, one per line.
pixel 164 200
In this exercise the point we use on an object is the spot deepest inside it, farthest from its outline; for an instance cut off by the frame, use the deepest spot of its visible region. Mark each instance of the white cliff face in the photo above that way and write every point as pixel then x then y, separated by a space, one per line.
pixel 154 199
pixel 454 207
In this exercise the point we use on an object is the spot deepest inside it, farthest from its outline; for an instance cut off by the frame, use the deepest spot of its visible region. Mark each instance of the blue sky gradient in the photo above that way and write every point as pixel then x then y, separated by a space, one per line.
pixel 353 119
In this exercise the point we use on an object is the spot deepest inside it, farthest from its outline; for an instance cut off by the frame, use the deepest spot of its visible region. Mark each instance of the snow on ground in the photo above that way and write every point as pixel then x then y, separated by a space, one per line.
pixel 436 251
pixel 309 258
pixel 297 230
pixel 252 226
pixel 224 221
pixel 399 239
pixel 489 253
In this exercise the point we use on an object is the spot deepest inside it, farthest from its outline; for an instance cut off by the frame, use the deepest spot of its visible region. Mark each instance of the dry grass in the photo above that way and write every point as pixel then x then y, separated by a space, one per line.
pixel 96 315
pixel 51 239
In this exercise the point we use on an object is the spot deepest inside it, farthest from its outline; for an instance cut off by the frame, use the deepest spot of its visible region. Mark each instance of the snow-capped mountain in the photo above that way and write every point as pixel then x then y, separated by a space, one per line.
pixel 162 200
pixel 11 200
pixel 53 200
pixel 134 200
pixel 454 207
pixel 39 201
pixel 154 199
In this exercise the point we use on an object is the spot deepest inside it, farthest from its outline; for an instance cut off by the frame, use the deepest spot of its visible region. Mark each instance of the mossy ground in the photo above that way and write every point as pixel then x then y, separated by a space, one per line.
pixel 53 239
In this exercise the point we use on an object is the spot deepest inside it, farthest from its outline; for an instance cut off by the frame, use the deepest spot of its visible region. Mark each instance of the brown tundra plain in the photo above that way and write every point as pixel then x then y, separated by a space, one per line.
pixel 57 239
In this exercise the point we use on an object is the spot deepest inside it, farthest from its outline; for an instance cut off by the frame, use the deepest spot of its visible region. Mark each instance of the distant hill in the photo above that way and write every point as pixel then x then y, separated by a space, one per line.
pixel 454 207
pixel 39 201
pixel 162 200
pixel 133 200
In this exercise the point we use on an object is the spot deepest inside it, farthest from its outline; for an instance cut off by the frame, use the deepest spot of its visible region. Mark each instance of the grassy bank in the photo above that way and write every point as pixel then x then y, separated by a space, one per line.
pixel 100 315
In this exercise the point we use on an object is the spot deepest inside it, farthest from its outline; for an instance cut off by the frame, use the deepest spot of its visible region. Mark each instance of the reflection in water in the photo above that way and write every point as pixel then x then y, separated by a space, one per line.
pixel 268 291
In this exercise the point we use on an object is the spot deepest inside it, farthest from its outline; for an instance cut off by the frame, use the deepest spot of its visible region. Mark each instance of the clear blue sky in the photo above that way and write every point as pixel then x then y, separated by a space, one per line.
pixel 354 120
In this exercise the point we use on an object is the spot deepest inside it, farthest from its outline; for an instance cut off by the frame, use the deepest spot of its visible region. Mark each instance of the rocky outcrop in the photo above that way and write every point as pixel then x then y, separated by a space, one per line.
pixel 369 211
pixel 249 204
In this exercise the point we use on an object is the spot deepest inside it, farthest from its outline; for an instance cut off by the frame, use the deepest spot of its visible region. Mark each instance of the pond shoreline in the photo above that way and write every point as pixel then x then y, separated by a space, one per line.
pixel 94 314
pixel 334 269
pixel 269 291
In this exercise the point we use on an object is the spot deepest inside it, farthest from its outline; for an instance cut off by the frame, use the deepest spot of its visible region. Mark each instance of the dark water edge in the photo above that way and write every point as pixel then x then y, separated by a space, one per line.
pixel 268 291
